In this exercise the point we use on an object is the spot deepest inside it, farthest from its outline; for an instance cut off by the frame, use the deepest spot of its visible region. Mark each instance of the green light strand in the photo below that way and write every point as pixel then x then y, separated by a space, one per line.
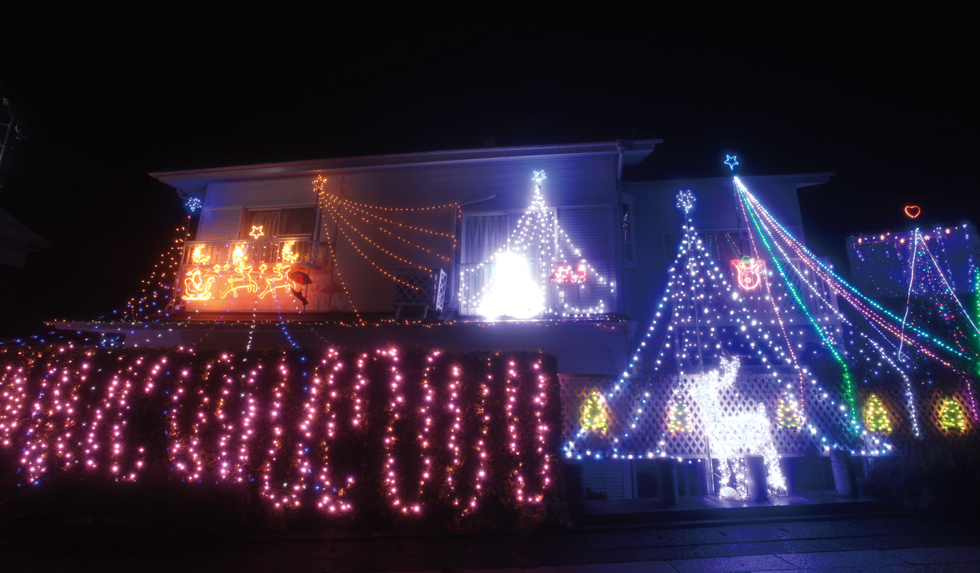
pixel 849 392
pixel 976 304
pixel 860 294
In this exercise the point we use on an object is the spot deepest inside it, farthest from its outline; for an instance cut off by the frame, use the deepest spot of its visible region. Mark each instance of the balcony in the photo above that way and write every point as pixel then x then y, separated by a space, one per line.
pixel 569 291
pixel 285 250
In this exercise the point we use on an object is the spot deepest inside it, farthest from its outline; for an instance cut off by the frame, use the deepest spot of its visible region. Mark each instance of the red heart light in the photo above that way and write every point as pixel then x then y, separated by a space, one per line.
pixel 912 211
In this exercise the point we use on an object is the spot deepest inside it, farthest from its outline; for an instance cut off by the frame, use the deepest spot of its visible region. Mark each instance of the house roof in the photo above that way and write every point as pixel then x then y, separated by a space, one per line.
pixel 193 181
pixel 797 180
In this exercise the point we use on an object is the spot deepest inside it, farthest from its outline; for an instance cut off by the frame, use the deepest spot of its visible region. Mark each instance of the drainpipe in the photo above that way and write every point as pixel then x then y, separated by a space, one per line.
pixel 620 146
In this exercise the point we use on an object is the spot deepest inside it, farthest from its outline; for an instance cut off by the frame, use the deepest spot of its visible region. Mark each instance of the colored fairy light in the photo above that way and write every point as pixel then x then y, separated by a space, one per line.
pixel 291 425
pixel 193 204
pixel 876 417
pixel 731 161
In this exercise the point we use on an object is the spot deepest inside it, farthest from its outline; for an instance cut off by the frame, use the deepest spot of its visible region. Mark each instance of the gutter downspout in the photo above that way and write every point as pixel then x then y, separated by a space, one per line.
pixel 624 289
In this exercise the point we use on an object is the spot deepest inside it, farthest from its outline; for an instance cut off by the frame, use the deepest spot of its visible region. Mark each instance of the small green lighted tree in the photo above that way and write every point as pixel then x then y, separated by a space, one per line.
pixel 876 417
pixel 678 419
pixel 788 412
pixel 594 416
pixel 951 415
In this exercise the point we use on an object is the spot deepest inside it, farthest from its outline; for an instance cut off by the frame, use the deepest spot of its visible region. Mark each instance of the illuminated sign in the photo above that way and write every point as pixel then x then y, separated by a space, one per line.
pixel 749 272
pixel 199 257
pixel 912 211
pixel 568 274
pixel 289 253
pixel 256 231
pixel 197 287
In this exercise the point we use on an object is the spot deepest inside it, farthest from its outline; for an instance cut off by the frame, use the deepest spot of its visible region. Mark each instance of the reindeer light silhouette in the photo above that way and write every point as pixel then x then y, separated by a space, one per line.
pixel 731 434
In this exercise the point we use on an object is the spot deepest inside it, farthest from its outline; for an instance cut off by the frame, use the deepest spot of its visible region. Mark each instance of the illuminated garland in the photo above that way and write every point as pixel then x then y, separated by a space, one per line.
pixel 157 291
pixel 876 417
pixel 332 430
pixel 848 383
pixel 847 291
pixel 951 415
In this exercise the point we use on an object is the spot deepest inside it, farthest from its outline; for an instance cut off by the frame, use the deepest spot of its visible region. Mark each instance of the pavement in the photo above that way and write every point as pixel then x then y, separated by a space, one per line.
pixel 884 543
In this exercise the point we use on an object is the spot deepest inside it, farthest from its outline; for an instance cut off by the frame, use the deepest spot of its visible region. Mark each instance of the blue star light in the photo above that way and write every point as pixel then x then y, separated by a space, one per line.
pixel 731 161
pixel 538 177
pixel 193 204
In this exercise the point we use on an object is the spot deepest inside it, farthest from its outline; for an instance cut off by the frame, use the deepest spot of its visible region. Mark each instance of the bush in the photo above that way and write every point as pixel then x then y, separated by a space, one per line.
pixel 939 476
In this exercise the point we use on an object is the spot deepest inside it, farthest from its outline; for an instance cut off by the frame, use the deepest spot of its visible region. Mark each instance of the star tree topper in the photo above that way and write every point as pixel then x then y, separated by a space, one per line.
pixel 731 161
pixel 685 200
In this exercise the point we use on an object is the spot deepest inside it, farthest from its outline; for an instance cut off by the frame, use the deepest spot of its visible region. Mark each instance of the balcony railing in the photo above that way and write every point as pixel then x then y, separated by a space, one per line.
pixel 574 292
pixel 298 251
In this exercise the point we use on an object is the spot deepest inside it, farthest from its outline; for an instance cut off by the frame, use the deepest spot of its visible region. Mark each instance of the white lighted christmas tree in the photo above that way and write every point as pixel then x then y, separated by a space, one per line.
pixel 538 253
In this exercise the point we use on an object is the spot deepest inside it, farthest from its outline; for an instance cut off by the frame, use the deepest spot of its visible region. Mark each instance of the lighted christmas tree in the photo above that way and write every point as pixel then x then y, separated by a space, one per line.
pixel 876 417
pixel 594 416
pixel 678 418
pixel 951 416
pixel 788 412
pixel 539 256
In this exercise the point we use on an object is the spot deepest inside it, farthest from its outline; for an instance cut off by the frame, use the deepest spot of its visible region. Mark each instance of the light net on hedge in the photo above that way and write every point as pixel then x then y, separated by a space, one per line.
pixel 341 432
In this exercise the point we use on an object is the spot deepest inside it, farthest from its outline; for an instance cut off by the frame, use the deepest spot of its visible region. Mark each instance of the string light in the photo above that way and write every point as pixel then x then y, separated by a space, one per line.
pixel 291 425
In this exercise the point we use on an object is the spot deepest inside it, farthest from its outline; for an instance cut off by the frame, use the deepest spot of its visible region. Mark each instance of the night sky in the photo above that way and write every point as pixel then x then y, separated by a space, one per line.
pixel 885 97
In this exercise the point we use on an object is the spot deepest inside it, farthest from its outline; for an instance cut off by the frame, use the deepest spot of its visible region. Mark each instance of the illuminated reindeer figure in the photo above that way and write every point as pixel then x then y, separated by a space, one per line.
pixel 732 434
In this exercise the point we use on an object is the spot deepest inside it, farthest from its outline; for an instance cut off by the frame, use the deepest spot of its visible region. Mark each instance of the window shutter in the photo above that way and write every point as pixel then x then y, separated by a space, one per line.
pixel 588 227
pixel 219 224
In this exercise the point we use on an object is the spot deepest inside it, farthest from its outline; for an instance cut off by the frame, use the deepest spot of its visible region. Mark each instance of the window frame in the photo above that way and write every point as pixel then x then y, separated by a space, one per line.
pixel 246 218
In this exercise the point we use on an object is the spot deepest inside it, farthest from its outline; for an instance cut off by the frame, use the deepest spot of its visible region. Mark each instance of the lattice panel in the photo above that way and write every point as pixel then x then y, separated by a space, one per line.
pixel 419 288
pixel 638 420
pixel 929 395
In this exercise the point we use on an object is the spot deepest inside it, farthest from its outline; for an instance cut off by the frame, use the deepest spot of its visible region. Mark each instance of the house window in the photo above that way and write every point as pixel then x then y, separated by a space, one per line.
pixel 573 265
pixel 297 221
pixel 259 224
pixel 627 230
pixel 285 222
